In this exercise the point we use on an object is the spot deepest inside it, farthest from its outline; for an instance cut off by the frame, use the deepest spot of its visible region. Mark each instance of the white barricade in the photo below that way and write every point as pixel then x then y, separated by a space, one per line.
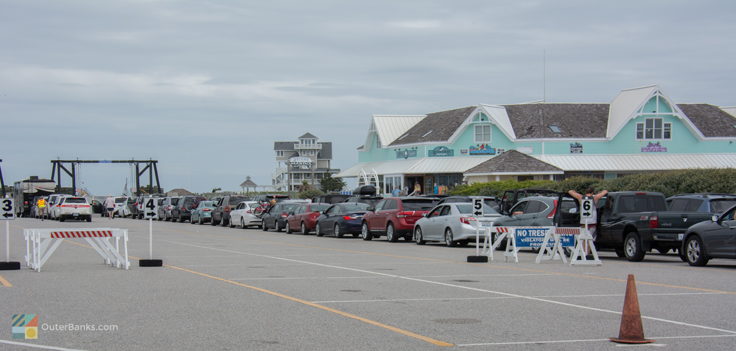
pixel 579 254
pixel 505 233
pixel 41 243
pixel 556 251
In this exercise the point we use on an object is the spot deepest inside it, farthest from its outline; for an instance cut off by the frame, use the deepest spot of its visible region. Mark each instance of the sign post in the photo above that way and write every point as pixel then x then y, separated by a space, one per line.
pixel 150 211
pixel 478 212
pixel 7 213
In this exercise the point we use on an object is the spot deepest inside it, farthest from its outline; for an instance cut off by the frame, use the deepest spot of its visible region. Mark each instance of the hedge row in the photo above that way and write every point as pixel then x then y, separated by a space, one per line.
pixel 669 183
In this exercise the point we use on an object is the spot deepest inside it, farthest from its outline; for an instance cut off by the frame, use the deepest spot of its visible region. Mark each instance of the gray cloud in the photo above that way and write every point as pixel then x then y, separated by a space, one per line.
pixel 207 86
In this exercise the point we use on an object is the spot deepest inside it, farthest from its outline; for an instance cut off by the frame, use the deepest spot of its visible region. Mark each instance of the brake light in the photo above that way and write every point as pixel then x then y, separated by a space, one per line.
pixel 248 211
pixel 183 208
pixel 347 218
pixel 403 214
pixel 554 210
pixel 207 210
pixel 226 209
pixel 467 220
pixel 25 202
pixel 653 222
pixel 284 214
pixel 640 193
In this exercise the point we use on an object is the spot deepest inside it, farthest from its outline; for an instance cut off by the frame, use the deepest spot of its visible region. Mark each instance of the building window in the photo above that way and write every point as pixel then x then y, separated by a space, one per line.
pixel 483 133
pixel 279 153
pixel 653 128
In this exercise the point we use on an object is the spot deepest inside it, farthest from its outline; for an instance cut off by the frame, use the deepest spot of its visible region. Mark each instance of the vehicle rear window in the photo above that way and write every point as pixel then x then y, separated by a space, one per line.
pixel 641 203
pixel 234 200
pixel 468 208
pixel 721 205
pixel 320 207
pixel 175 201
pixel 120 200
pixel 207 204
pixel 418 205
pixel 355 207
pixel 75 200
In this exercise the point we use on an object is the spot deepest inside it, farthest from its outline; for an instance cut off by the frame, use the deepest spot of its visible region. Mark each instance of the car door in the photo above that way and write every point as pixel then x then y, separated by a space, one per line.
pixel 537 213
pixel 431 227
pixel 721 242
pixel 374 221
pixel 389 207
pixel 327 224
pixel 237 213
pixel 516 214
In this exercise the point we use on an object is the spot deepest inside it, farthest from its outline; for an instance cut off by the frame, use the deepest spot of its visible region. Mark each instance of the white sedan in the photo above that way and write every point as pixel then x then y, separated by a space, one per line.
pixel 244 215
pixel 452 223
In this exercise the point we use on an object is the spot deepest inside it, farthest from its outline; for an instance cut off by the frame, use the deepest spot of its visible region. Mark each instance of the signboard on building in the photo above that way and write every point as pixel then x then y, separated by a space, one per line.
pixel 654 147
pixel 482 149
pixel 406 153
pixel 576 148
pixel 441 151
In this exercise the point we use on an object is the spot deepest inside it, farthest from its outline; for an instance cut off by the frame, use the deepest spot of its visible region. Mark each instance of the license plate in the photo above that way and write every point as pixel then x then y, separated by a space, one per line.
pixel 75 214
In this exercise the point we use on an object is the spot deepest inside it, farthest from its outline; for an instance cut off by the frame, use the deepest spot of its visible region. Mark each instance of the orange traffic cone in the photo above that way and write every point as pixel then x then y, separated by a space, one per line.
pixel 631 331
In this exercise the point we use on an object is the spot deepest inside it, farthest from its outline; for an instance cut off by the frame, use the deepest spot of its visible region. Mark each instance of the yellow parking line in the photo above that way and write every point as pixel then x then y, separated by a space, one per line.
pixel 5 282
pixel 311 304
pixel 296 299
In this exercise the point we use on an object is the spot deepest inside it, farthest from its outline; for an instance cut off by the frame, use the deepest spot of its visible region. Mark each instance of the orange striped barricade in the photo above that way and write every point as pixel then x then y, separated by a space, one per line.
pixel 556 251
pixel 579 255
pixel 508 233
pixel 41 244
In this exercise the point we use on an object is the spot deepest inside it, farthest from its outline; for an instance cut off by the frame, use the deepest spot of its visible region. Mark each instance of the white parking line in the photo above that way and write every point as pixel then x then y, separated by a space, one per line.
pixel 302 278
pixel 593 340
pixel 506 297
pixel 459 287
pixel 37 346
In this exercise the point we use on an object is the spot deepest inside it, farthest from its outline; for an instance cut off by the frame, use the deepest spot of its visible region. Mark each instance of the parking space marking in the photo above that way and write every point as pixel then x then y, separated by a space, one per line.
pixel 325 308
pixel 305 278
pixel 593 340
pixel 5 282
pixel 537 299
pixel 574 275
pixel 505 297
pixel 37 346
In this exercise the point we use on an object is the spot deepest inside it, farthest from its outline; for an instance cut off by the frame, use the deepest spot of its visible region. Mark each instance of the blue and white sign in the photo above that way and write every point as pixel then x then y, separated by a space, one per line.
pixel 534 237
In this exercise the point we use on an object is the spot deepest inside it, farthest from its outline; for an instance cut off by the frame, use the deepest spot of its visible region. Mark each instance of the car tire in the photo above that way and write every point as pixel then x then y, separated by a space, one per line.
pixel 391 233
pixel 336 231
pixel 264 227
pixel 365 233
pixel 304 229
pixel 278 227
pixel 695 251
pixel 418 236
pixel 632 247
pixel 318 230
pixel 212 221
pixel 223 223
pixel 288 228
pixel 449 241
pixel 89 218
pixel 242 223
pixel 61 218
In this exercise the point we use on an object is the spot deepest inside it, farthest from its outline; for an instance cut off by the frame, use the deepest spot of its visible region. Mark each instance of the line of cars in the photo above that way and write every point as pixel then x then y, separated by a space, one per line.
pixel 62 207
pixel 696 226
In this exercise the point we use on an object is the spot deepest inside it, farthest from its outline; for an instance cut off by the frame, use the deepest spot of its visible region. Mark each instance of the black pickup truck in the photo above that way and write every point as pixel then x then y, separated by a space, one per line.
pixel 633 223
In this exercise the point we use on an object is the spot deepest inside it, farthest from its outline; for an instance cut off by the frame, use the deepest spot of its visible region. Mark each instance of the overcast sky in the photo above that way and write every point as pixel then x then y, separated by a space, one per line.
pixel 206 87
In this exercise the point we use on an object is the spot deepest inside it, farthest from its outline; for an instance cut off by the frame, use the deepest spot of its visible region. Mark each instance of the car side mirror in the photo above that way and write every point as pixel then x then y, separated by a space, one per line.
pixel 714 218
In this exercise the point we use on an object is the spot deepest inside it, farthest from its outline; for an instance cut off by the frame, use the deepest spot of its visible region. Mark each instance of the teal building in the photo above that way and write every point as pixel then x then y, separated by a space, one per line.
pixel 640 130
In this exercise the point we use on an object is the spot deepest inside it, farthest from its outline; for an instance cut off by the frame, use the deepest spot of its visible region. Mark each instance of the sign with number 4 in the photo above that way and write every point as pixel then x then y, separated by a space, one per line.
pixel 150 208
pixel 6 209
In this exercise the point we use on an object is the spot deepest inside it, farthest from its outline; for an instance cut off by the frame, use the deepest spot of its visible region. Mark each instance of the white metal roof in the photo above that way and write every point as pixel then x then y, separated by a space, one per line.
pixel 731 110
pixel 390 127
pixel 501 119
pixel 428 165
pixel 639 162
pixel 625 105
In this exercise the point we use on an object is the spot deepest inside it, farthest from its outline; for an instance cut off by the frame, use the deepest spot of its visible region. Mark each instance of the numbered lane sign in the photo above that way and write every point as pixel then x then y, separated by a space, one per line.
pixel 586 208
pixel 150 208
pixel 477 207
pixel 6 209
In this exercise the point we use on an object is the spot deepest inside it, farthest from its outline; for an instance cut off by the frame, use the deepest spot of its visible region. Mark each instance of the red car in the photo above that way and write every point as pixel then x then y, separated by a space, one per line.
pixel 304 217
pixel 395 217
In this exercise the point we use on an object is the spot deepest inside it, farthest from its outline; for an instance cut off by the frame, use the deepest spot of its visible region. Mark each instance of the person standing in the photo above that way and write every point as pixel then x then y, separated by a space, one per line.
pixel 41 205
pixel 110 206
pixel 395 192
pixel 588 210
pixel 417 190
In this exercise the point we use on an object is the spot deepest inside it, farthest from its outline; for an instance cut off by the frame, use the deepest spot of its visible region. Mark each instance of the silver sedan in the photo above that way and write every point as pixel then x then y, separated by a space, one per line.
pixel 452 223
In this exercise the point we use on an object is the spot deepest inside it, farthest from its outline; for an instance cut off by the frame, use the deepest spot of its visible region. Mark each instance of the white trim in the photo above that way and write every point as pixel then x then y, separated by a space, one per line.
pixel 512 173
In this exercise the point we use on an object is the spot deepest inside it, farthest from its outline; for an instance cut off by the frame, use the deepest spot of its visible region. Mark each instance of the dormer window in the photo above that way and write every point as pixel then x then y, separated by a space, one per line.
pixel 653 129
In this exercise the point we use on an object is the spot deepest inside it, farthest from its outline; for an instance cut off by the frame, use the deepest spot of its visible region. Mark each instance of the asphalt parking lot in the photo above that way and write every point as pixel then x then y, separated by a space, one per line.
pixel 235 289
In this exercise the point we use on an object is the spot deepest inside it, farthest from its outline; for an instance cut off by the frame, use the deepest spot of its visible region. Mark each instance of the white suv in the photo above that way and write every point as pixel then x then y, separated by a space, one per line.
pixel 53 205
pixel 72 207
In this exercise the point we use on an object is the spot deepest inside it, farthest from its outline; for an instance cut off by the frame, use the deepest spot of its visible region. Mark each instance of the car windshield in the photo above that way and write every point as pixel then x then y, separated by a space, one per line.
pixel 468 208
pixel 355 207
pixel 235 200
pixel 120 200
pixel 418 205
pixel 75 200
pixel 721 205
